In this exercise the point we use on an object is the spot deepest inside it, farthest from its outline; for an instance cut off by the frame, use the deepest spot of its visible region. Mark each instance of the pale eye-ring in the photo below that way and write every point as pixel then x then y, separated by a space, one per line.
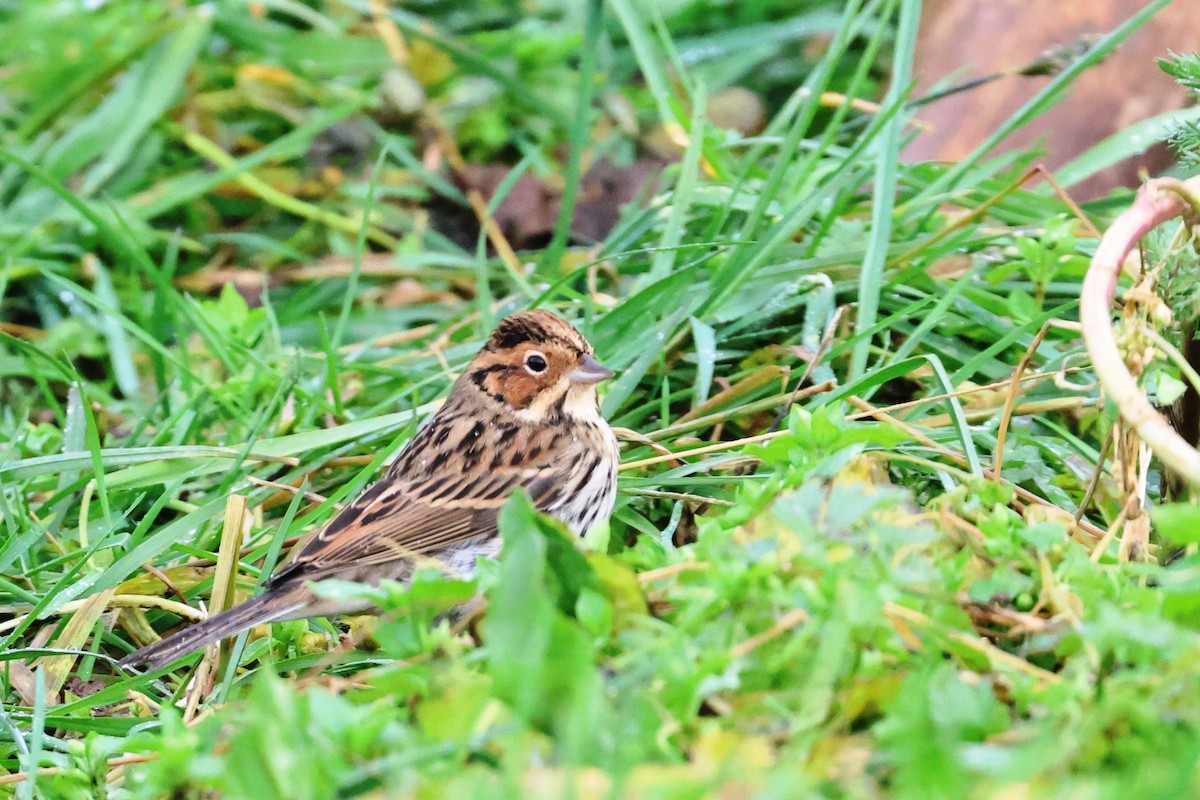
pixel 535 363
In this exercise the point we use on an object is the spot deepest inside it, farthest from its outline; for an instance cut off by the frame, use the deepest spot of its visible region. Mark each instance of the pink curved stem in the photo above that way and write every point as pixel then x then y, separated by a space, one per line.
pixel 1155 203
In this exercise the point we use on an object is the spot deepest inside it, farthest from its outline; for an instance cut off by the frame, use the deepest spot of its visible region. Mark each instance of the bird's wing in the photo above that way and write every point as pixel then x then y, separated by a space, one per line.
pixel 398 519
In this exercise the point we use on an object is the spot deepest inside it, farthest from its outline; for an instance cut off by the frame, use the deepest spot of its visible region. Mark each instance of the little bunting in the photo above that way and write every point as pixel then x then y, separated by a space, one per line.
pixel 524 414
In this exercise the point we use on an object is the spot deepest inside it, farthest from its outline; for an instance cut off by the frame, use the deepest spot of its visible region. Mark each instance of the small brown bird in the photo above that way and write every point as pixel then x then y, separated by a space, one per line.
pixel 524 414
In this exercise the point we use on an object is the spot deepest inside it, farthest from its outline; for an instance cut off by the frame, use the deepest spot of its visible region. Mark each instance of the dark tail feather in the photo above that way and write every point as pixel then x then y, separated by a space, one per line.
pixel 264 608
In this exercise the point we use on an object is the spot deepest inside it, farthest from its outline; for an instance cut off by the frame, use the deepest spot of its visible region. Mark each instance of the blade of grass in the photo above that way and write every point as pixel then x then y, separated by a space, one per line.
pixel 173 192
pixel 225 574
pixel 119 351
pixel 483 301
pixel 681 197
pixel 126 456
pixel 577 135
pixel 285 202
pixel 37 737
pixel 268 566
pixel 1123 144
pixel 649 60
pixel 120 319
pixel 705 341
pixel 935 317
pixel 360 244
pixel 116 238
pixel 883 190
pixel 73 636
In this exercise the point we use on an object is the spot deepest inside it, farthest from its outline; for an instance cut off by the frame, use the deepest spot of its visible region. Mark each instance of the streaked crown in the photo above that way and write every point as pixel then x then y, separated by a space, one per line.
pixel 537 327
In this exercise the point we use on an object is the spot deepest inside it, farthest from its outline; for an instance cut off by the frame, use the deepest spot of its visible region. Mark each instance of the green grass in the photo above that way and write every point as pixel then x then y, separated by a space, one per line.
pixel 850 607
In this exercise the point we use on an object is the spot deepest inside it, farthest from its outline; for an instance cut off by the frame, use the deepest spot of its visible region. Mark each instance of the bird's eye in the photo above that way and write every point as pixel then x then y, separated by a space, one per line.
pixel 535 363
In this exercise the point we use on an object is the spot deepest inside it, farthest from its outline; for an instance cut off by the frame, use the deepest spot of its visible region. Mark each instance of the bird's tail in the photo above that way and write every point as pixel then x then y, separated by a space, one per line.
pixel 264 608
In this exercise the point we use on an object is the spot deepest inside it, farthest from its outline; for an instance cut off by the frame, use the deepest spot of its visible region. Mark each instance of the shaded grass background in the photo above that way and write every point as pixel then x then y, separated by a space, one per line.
pixel 848 609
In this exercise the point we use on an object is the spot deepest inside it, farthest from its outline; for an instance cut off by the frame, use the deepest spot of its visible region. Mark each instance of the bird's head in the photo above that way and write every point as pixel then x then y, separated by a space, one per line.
pixel 539 366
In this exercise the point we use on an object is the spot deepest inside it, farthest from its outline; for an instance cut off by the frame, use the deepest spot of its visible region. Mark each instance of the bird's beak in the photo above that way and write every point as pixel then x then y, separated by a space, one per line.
pixel 590 371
